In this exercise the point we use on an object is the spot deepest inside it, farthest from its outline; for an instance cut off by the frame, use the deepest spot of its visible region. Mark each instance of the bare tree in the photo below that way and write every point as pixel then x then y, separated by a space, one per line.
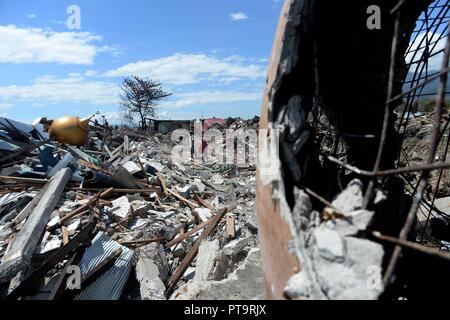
pixel 141 96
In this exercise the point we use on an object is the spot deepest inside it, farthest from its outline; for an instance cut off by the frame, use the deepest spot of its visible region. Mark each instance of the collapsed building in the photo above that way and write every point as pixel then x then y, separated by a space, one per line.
pixel 118 218
pixel 354 205
pixel 167 126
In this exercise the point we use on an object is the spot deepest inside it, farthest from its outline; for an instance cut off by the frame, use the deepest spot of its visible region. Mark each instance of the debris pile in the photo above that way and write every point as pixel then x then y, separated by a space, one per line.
pixel 119 219
pixel 433 215
pixel 338 261
pixel 417 130
pixel 415 133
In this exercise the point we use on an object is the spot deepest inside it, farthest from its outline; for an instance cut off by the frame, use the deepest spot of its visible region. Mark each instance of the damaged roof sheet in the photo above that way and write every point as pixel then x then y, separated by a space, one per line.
pixel 110 284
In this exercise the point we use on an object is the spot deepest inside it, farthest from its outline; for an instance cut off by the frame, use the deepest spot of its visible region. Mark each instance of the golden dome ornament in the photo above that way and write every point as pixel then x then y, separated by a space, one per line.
pixel 70 130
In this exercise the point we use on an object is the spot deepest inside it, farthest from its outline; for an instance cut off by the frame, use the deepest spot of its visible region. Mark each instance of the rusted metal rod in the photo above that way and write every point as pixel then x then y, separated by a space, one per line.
pixel 320 198
pixel 390 172
pixel 142 242
pixel 412 245
pixel 387 109
pixel 422 84
pixel 423 182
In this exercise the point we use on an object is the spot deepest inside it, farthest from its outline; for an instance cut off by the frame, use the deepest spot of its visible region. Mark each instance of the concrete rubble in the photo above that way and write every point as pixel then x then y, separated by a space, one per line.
pixel 338 261
pixel 245 283
pixel 121 208
pixel 152 270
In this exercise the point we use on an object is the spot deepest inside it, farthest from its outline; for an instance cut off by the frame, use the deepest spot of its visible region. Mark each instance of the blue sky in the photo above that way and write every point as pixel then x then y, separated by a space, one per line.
pixel 211 54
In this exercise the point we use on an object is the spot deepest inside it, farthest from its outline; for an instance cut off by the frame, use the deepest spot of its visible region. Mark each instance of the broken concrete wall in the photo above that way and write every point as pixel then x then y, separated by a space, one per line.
pixel 245 283
pixel 167 126
pixel 152 271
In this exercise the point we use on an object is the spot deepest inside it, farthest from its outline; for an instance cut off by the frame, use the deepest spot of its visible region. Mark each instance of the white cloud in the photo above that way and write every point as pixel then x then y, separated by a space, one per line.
pixel 237 16
pixel 187 99
pixel 6 106
pixel 31 16
pixel 183 68
pixel 19 45
pixel 435 40
pixel 76 88
pixel 60 22
pixel 110 116
pixel 115 51
pixel 90 73
pixel 51 89
pixel 178 115
pixel 37 105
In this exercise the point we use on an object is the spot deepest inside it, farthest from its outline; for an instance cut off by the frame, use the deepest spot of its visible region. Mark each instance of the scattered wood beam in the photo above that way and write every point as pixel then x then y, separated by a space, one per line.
pixel 163 183
pixel 81 240
pixel 23 180
pixel 59 287
pixel 85 206
pixel 230 226
pixel 93 166
pixel 148 190
pixel 176 276
pixel 24 244
pixel 63 163
pixel 188 234
pixel 25 213
pixel 191 204
pixel 126 144
pixel 203 202
pixel 65 235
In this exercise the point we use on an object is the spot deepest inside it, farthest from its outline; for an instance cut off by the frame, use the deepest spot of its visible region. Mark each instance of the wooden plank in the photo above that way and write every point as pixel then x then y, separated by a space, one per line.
pixel 116 153
pixel 81 214
pixel 126 144
pixel 230 226
pixel 159 202
pixel 28 237
pixel 148 190
pixel 65 235
pixel 93 166
pixel 23 180
pixel 203 202
pixel 188 234
pixel 81 240
pixel 191 204
pixel 176 276
pixel 59 285
pixel 100 153
pixel 105 147
pixel 25 213
pixel 63 163
pixel 163 183
pixel 85 206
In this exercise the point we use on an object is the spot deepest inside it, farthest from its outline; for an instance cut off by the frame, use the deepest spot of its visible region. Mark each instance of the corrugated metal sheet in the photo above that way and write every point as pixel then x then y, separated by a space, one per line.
pixel 110 284
pixel 125 179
